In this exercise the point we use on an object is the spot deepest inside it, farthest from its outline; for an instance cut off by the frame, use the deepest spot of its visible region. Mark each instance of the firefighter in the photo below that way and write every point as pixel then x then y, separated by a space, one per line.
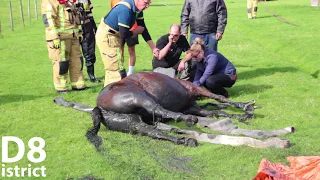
pixel 63 32
pixel 114 30
pixel 252 7
pixel 131 43
pixel 88 43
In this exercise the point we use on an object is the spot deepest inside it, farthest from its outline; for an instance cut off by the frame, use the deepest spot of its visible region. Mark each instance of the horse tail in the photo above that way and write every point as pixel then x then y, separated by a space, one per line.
pixel 80 107
pixel 92 133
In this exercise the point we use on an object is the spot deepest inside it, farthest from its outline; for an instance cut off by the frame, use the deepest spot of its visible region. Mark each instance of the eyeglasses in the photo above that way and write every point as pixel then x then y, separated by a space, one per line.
pixel 195 56
pixel 175 35
pixel 147 3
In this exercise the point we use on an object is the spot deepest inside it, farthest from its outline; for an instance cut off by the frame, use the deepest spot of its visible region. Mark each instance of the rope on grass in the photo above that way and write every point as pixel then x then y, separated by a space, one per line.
pixel 279 17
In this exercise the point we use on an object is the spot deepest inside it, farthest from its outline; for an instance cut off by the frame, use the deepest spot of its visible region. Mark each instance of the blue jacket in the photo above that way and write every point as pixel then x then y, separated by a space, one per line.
pixel 121 15
pixel 213 63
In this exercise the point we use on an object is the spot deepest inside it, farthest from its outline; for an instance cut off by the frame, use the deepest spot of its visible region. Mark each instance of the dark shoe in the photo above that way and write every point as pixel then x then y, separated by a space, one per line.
pixel 92 78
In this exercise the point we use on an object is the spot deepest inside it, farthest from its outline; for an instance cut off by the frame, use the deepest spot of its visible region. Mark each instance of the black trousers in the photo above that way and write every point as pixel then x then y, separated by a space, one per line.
pixel 216 83
pixel 88 43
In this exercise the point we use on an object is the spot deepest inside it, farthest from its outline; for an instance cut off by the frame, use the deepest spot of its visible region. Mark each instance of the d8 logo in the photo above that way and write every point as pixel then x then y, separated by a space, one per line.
pixel 21 149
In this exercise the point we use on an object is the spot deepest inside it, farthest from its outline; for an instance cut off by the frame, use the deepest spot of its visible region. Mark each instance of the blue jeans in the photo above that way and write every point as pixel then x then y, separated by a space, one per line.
pixel 209 40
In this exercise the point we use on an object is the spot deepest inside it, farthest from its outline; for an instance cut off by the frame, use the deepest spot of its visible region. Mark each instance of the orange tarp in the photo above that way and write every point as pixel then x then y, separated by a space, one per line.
pixel 302 168
pixel 113 3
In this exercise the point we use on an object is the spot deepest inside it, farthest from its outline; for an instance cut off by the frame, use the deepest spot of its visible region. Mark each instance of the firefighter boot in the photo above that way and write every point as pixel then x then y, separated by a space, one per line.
pixel 92 78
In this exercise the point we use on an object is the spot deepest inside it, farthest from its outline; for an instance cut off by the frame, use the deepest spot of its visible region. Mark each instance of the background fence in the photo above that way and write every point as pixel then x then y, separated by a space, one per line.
pixel 15 14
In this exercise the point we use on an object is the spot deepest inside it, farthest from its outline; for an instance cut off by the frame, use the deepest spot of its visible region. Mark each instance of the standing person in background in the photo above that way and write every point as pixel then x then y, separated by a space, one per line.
pixel 252 7
pixel 114 30
pixel 131 42
pixel 88 43
pixel 214 71
pixel 207 20
pixel 62 27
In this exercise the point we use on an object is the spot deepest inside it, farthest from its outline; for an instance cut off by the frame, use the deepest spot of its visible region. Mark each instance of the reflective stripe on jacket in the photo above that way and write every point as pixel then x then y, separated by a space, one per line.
pixel 61 20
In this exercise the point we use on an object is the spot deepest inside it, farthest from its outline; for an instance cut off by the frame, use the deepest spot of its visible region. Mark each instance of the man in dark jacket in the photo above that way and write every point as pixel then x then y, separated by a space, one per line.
pixel 207 19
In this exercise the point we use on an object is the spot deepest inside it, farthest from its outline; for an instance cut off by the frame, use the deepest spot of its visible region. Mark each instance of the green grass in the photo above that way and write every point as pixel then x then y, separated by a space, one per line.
pixel 277 65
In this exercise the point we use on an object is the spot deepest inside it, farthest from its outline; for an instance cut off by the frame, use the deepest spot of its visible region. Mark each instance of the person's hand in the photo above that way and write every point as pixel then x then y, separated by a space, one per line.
pixel 181 66
pixel 138 30
pixel 155 52
pixel 170 38
pixel 196 83
pixel 185 34
pixel 56 43
pixel 218 36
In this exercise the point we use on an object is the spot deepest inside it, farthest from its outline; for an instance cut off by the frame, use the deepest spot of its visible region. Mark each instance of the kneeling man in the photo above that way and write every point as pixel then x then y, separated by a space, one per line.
pixel 171 47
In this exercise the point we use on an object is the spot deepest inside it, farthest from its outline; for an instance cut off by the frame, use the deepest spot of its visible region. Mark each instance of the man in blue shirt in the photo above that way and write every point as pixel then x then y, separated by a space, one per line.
pixel 113 31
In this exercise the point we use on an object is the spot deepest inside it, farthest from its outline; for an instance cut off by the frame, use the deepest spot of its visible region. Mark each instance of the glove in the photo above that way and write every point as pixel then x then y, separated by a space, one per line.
pixel 56 43
pixel 86 7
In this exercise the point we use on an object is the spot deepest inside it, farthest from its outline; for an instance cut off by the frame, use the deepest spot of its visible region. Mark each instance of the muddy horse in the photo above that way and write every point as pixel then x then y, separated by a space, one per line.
pixel 141 102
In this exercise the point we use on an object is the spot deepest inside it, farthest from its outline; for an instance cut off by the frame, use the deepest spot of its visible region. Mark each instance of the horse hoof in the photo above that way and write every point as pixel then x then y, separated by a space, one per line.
pixel 276 143
pixel 245 117
pixel 191 142
pixel 249 108
pixel 191 120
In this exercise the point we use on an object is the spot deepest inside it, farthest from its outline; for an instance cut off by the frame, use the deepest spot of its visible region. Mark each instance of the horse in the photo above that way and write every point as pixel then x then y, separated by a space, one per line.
pixel 137 103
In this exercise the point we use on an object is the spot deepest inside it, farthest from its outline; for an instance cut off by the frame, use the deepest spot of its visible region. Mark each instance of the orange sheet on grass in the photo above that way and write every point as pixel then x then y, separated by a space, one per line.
pixel 302 168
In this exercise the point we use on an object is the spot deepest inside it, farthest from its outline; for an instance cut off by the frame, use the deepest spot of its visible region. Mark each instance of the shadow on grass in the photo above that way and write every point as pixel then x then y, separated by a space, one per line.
pixel 315 74
pixel 241 65
pixel 261 17
pixel 239 90
pixel 146 70
pixel 9 98
pixel 256 115
pixel 264 72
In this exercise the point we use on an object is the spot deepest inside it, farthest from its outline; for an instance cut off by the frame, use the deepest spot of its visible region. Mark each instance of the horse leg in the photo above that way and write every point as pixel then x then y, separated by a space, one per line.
pixel 226 126
pixel 92 133
pixel 263 133
pixel 196 110
pixel 129 123
pixel 227 140
pixel 196 91
pixel 141 128
pixel 141 100
pixel 216 106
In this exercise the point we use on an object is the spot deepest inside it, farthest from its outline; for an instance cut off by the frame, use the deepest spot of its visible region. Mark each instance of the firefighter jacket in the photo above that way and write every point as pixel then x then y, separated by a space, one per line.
pixel 62 21
pixel 85 9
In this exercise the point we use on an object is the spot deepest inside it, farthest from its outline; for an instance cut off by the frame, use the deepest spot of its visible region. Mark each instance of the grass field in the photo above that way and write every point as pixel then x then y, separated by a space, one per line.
pixel 278 66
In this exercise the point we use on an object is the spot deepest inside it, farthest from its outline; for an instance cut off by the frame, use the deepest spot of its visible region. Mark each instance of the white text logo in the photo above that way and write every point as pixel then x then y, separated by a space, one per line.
pixel 34 149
